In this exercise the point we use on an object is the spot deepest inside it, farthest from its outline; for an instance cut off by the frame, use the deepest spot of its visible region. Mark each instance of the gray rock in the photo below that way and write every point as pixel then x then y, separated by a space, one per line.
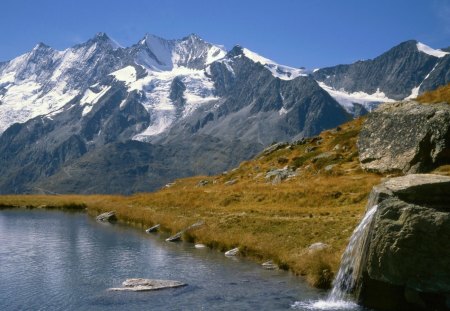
pixel 274 148
pixel 319 246
pixel 269 265
pixel 405 137
pixel 200 246
pixel 231 182
pixel 276 176
pixel 329 168
pixel 153 229
pixel 407 259
pixel 202 183
pixel 138 285
pixel 232 252
pixel 178 236
pixel 107 217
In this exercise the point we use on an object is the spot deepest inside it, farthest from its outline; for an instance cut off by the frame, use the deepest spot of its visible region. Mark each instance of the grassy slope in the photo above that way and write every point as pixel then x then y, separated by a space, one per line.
pixel 442 94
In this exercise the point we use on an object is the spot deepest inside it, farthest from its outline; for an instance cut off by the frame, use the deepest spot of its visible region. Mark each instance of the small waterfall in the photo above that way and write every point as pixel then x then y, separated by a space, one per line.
pixel 346 283
pixel 349 274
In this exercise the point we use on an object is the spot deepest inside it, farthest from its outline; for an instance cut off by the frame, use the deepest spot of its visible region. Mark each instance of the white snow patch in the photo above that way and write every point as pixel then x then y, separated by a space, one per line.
pixel 90 98
pixel 282 111
pixel 430 51
pixel 25 100
pixel 346 100
pixel 215 53
pixel 278 71
pixel 126 74
pixel 415 90
pixel 156 87
pixel 161 121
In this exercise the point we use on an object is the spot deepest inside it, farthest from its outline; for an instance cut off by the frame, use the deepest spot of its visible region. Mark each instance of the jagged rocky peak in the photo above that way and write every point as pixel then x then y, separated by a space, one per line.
pixel 101 40
pixel 192 52
pixel 279 71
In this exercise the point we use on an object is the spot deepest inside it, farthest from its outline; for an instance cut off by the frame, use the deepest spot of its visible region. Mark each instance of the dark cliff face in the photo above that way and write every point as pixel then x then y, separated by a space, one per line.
pixel 257 107
pixel 395 72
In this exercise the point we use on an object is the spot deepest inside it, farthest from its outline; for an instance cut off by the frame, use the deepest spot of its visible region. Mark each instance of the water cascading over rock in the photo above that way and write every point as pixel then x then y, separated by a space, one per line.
pixel 398 257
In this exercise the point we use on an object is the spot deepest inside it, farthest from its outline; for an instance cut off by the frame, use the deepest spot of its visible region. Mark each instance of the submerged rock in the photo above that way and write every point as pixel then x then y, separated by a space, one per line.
pixel 407 261
pixel 138 285
pixel 107 217
pixel 200 246
pixel 405 137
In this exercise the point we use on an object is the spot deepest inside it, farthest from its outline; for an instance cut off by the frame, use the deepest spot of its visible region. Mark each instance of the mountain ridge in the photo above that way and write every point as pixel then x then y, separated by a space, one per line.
pixel 189 100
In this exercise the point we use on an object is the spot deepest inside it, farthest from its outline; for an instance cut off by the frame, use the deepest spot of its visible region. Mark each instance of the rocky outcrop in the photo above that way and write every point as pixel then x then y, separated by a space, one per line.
pixel 139 285
pixel 407 260
pixel 405 137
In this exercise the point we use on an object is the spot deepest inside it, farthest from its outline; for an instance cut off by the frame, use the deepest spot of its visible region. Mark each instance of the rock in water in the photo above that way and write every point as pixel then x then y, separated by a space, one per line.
pixel 107 217
pixel 177 237
pixel 405 137
pixel 232 252
pixel 138 285
pixel 153 229
pixel 408 257
pixel 269 265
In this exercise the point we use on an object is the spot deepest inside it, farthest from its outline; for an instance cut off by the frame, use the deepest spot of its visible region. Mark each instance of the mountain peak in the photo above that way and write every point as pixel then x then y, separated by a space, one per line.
pixel 237 50
pixel 430 51
pixel 192 37
pixel 102 40
pixel 41 46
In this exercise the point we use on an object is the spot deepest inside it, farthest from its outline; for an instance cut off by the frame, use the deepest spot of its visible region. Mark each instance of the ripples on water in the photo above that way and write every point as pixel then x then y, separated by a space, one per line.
pixel 51 260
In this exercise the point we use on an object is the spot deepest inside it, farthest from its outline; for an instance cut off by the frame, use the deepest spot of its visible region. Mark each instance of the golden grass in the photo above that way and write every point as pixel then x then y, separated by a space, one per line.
pixel 278 222
pixel 441 94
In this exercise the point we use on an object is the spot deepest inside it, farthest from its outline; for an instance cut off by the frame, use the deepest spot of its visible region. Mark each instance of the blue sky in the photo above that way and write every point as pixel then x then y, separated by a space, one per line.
pixel 310 33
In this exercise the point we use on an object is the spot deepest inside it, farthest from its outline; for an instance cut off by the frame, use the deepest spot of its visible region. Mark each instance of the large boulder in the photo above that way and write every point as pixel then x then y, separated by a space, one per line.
pixel 406 137
pixel 407 260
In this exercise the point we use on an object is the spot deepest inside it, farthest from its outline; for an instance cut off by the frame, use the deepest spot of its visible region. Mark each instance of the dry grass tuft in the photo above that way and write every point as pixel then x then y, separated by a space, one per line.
pixel 440 95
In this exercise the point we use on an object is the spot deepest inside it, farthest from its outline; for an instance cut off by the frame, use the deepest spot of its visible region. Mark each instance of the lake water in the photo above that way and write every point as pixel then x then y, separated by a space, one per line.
pixel 52 260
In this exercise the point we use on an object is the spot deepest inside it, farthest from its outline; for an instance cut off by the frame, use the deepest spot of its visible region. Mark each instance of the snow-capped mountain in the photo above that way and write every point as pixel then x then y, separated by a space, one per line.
pixel 99 117
pixel 403 72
